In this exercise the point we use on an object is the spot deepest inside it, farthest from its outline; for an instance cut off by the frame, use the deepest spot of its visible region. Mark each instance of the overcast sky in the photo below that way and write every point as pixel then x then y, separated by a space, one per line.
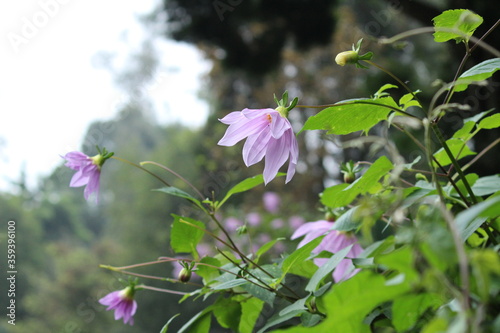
pixel 50 91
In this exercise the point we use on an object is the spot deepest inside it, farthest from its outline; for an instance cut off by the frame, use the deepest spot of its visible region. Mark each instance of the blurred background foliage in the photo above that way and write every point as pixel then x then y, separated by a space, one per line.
pixel 257 48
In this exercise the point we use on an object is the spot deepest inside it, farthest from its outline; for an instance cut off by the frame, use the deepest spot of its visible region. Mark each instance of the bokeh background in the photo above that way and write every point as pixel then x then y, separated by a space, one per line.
pixel 149 82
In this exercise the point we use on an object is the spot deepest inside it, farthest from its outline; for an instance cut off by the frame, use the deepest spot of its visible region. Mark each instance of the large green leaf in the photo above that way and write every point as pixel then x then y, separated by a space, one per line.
pixel 349 302
pixel 343 194
pixel 184 237
pixel 457 24
pixel 407 309
pixel 479 72
pixel 352 116
pixel 228 313
pixel 250 311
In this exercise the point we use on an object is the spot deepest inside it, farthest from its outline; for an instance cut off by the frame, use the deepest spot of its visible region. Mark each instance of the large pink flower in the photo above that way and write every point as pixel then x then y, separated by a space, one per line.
pixel 334 241
pixel 268 134
pixel 122 301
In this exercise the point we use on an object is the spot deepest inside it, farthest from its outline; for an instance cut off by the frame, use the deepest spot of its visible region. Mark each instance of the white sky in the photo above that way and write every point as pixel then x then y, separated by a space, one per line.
pixel 49 90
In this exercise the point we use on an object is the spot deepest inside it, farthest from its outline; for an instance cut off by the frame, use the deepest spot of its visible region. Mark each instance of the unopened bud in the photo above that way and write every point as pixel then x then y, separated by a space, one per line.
pixel 347 57
pixel 184 275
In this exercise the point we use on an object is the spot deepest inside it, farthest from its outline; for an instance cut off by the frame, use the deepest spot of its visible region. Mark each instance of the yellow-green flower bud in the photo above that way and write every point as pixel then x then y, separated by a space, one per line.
pixel 184 275
pixel 347 57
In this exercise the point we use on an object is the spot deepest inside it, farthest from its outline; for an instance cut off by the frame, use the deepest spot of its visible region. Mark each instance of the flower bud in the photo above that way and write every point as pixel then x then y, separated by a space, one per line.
pixel 184 275
pixel 347 57
pixel 349 177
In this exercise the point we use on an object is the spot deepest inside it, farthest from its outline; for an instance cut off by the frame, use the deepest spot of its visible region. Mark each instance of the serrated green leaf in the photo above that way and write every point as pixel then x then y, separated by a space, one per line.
pixel 259 292
pixel 490 122
pixel 457 24
pixel 407 309
pixel 471 179
pixel 343 194
pixel 401 260
pixel 245 185
pixel 465 131
pixel 278 319
pixel 185 237
pixel 352 116
pixel 327 268
pixel 408 100
pixel 457 147
pixel 381 92
pixel 250 311
pixel 479 72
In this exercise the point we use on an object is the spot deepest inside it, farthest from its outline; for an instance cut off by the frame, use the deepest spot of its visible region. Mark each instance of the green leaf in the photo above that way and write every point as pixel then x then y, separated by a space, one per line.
pixel 165 327
pixel 408 100
pixel 327 268
pixel 299 255
pixel 179 193
pixel 278 319
pixel 350 301
pixel 347 221
pixel 490 122
pixel 266 247
pixel 471 179
pixel 342 195
pixel 200 323
pixel 485 263
pixel 250 311
pixel 457 147
pixel 228 313
pixel 245 185
pixel 295 307
pixel 486 185
pixel 351 116
pixel 465 131
pixel 184 237
pixel 407 309
pixel 401 260
pixel 229 284
pixel 206 272
pixel 469 220
pixel 479 72
pixel 261 293
pixel 457 24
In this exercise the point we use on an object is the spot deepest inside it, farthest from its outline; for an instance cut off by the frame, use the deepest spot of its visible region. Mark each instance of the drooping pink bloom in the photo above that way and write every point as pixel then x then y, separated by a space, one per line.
pixel 88 172
pixel 333 242
pixel 271 201
pixel 122 301
pixel 268 134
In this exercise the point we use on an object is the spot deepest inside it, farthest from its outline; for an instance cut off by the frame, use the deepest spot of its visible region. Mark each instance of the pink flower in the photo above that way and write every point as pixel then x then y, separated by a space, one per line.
pixel 271 201
pixel 123 303
pixel 268 134
pixel 334 241
pixel 88 170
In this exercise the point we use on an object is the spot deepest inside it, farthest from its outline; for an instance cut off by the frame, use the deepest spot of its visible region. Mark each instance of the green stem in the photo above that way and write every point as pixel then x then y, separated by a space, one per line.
pixel 143 286
pixel 457 167
pixel 177 175
pixel 140 167
pixel 395 78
